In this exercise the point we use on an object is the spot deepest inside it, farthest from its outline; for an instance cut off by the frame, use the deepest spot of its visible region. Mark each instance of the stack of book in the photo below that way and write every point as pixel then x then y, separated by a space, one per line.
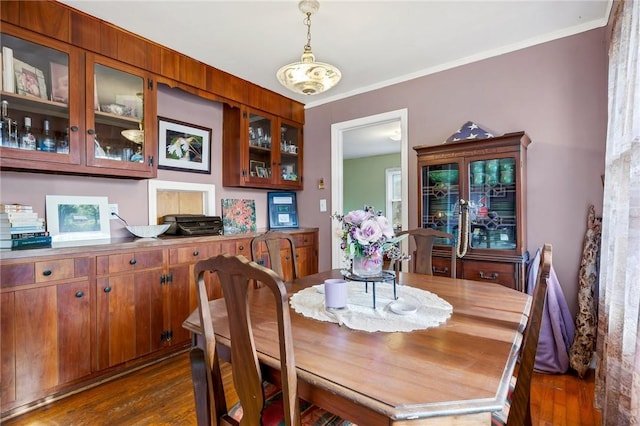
pixel 21 228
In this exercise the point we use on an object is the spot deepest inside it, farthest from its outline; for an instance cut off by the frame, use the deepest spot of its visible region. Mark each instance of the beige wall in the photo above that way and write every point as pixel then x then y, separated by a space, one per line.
pixel 556 92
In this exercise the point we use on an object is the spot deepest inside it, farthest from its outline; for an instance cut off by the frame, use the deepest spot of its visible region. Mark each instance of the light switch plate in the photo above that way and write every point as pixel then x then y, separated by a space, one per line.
pixel 323 205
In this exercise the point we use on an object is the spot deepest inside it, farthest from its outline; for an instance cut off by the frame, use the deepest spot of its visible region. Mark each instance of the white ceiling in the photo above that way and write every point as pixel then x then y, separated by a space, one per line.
pixel 374 43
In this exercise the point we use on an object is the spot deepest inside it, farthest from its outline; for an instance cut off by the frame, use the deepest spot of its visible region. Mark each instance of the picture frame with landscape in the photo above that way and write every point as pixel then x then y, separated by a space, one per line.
pixel 76 218
pixel 183 146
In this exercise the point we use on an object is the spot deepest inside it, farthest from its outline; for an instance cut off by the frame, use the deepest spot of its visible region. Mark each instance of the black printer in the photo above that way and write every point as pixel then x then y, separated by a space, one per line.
pixel 193 224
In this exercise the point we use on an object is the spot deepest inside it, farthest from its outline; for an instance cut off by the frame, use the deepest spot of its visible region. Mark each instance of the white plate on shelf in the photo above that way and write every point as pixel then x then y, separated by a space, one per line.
pixel 402 308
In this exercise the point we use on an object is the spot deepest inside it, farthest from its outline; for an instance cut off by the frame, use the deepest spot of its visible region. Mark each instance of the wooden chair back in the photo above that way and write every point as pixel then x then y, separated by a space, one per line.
pixel 236 274
pixel 520 410
pixel 273 241
pixel 424 241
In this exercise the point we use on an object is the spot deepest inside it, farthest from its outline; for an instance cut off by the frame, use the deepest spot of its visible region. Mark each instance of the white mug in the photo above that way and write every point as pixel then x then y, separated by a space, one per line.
pixel 335 294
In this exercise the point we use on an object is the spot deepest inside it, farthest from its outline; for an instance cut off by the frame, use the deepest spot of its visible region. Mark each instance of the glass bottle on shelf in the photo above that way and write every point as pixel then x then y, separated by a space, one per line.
pixel 47 143
pixel 62 147
pixel 9 128
pixel 27 138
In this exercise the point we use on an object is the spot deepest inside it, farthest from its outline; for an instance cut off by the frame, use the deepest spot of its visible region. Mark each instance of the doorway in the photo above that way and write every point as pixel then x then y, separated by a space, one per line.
pixel 339 141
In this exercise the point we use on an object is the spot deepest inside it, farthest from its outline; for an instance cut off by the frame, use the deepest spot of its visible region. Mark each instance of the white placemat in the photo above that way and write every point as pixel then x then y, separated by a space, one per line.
pixel 359 314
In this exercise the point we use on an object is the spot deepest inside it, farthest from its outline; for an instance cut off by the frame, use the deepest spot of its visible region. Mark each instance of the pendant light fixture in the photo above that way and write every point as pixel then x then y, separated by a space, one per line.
pixel 308 77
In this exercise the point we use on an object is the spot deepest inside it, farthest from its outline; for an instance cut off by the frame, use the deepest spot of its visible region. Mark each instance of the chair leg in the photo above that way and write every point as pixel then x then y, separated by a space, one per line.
pixel 199 377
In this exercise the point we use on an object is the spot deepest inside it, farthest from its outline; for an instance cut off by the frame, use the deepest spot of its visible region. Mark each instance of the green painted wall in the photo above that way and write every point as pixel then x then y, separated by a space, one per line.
pixel 364 181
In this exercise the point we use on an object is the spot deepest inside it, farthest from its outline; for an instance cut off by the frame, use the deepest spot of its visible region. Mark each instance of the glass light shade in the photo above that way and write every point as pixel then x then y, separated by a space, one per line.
pixel 308 77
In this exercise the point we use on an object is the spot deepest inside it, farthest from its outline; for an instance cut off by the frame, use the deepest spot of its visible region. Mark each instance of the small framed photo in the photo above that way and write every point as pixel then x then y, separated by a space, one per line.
pixel 72 218
pixel 253 165
pixel 261 172
pixel 183 146
pixel 29 80
pixel 59 83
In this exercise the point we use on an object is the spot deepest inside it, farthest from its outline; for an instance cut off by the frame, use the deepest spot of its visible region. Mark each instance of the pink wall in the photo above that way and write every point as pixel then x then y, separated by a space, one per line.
pixel 556 92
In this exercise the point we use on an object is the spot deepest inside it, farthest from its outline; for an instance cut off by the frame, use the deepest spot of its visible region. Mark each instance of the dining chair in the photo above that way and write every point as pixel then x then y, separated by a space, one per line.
pixel 517 409
pixel 424 240
pixel 273 257
pixel 260 402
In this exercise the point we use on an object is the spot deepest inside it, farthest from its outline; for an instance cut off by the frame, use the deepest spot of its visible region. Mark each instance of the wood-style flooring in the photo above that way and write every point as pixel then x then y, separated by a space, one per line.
pixel 161 394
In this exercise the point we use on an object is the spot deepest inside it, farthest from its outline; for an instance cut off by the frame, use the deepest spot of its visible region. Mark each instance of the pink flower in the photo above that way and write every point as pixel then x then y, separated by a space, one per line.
pixel 369 231
pixel 385 226
pixel 356 216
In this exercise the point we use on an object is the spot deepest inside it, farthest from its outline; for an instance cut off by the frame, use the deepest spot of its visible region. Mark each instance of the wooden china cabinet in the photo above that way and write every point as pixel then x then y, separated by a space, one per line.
pixel 478 186
pixel 261 150
pixel 78 104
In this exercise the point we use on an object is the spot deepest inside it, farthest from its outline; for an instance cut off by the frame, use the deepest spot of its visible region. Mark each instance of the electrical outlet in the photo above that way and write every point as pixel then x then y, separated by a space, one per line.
pixel 113 208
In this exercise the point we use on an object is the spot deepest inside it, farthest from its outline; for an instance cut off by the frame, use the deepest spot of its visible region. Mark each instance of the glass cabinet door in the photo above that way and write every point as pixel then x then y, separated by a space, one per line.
pixel 493 203
pixel 290 151
pixel 115 130
pixel 441 193
pixel 36 104
pixel 260 152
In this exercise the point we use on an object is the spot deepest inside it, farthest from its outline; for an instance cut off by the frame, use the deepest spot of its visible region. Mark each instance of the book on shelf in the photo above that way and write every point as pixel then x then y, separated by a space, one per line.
pixel 18 235
pixel 8 78
pixel 5 208
pixel 13 223
pixel 19 229
pixel 26 243
pixel 21 215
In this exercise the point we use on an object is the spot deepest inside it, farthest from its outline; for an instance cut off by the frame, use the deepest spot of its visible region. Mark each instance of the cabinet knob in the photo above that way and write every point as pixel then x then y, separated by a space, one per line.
pixel 47 272
pixel 241 247
pixel 492 276
pixel 91 132
pixel 133 261
pixel 74 128
pixel 304 239
pixel 79 294
pixel 196 253
pixel 107 289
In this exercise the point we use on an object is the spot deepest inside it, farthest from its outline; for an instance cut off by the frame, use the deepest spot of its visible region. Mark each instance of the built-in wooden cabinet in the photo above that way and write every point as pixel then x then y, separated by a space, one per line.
pixel 45 327
pixel 261 150
pixel 73 316
pixel 78 105
pixel 478 186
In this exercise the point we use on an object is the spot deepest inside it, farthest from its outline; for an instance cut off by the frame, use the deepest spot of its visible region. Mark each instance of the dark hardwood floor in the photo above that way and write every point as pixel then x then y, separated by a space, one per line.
pixel 161 394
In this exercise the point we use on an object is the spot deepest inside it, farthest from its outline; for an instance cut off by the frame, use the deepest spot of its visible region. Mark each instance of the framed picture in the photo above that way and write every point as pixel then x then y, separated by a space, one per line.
pixel 283 210
pixel 253 165
pixel 238 216
pixel 72 218
pixel 59 83
pixel 261 172
pixel 183 146
pixel 29 80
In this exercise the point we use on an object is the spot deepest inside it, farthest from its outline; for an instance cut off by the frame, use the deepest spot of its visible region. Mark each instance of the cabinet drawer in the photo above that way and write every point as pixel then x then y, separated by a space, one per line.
pixel 441 266
pixel 129 261
pixel 501 273
pixel 302 240
pixel 54 270
pixel 17 274
pixel 190 254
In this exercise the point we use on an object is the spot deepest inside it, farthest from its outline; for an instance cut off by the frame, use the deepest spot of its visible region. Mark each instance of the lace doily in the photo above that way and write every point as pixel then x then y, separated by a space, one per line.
pixel 360 314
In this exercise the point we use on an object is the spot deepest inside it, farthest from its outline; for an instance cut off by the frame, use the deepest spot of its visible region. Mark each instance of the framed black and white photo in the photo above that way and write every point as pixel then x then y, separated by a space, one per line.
pixel 183 146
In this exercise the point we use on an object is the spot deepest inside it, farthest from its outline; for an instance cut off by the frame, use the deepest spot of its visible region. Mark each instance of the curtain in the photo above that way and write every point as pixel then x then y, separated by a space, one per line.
pixel 618 344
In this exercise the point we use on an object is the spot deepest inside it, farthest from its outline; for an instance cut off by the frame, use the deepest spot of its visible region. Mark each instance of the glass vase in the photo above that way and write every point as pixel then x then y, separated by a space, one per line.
pixel 368 266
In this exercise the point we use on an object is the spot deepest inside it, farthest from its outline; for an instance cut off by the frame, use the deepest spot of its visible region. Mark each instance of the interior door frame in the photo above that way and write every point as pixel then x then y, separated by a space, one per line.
pixel 337 181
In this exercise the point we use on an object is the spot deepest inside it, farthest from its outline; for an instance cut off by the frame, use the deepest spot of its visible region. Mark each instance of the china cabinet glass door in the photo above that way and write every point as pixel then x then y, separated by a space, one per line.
pixel 260 147
pixel 115 129
pixel 37 102
pixel 290 152
pixel 440 198
pixel 493 203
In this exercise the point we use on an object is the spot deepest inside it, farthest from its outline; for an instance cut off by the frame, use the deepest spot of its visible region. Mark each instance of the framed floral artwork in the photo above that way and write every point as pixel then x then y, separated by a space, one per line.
pixel 183 146
pixel 238 216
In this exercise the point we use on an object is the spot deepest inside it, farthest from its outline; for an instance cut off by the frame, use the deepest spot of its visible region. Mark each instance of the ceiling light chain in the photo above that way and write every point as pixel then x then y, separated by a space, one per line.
pixel 308 77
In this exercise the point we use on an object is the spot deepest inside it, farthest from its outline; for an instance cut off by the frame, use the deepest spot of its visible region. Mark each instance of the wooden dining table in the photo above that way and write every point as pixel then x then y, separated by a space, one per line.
pixel 456 373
